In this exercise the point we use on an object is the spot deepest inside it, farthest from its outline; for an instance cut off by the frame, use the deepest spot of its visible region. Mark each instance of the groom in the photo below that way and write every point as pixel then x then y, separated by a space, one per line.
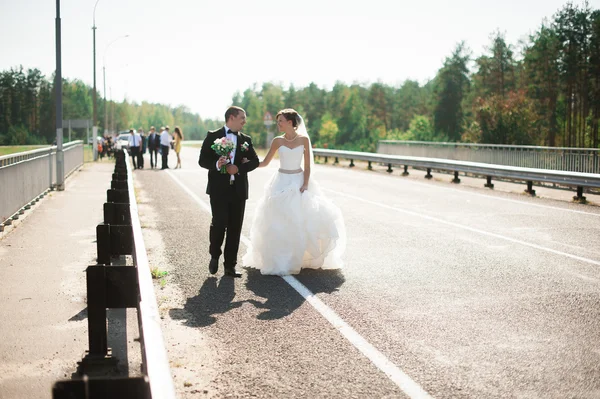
pixel 228 192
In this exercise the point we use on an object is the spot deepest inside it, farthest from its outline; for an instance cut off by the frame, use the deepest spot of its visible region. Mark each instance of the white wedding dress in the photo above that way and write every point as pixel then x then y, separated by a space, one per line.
pixel 293 230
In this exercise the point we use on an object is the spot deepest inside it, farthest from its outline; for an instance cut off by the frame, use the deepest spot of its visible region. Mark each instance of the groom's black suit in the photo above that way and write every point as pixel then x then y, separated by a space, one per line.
pixel 227 201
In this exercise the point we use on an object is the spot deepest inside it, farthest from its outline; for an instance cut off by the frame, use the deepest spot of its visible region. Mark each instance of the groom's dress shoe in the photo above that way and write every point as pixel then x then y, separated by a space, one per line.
pixel 232 273
pixel 213 266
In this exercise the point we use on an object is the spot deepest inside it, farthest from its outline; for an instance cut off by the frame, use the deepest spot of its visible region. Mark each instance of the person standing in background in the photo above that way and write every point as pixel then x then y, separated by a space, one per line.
pixel 153 145
pixel 134 147
pixel 178 137
pixel 165 143
pixel 142 148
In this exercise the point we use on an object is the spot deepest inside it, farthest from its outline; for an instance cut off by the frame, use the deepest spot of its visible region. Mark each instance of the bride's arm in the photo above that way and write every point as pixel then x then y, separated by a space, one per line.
pixel 307 153
pixel 270 154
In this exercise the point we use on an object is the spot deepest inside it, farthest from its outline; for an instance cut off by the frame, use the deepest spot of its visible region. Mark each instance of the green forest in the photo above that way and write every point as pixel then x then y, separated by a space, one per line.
pixel 541 91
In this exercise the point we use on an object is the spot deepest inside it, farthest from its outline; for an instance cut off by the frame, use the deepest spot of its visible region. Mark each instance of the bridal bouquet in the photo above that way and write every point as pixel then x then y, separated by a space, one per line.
pixel 223 147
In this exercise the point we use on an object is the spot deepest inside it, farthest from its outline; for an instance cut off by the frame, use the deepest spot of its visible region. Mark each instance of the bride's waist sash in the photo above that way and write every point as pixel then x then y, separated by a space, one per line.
pixel 290 171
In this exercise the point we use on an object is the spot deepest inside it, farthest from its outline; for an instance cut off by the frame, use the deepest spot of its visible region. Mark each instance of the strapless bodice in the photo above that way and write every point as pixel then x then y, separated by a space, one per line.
pixel 290 158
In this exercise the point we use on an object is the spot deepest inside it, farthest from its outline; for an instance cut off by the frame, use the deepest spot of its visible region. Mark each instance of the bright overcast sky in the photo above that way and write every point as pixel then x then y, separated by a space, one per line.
pixel 199 53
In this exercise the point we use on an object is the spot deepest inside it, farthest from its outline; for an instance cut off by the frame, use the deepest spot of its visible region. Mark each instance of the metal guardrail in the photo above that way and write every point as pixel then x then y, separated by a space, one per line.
pixel 529 175
pixel 110 286
pixel 584 160
pixel 25 177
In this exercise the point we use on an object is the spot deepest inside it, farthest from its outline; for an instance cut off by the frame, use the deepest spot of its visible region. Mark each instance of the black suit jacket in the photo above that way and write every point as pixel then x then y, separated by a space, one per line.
pixel 218 183
pixel 153 141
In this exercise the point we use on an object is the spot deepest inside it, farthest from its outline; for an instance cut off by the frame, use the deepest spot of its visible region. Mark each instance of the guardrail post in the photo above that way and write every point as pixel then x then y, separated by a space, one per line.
pixel 428 175
pixel 579 197
pixel 117 195
pixel 352 163
pixel 489 183
pixel 119 176
pixel 456 180
pixel 115 236
pixel 336 160
pixel 530 189
pixel 325 160
pixel 103 244
pixel 113 240
pixel 108 287
pixel 92 388
pixel 405 173
pixel 98 355
pixel 389 169
pixel 370 167
pixel 117 213
pixel 96 304
pixel 118 185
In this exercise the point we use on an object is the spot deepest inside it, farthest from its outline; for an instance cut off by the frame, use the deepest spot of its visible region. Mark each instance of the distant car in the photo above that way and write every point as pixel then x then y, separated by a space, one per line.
pixel 122 141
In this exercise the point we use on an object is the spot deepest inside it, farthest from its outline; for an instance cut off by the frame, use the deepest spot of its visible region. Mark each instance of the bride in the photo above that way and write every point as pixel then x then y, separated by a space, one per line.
pixel 294 225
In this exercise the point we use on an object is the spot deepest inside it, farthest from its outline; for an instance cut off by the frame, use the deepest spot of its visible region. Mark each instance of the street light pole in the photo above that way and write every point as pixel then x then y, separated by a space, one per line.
pixel 104 78
pixel 60 165
pixel 104 91
pixel 95 112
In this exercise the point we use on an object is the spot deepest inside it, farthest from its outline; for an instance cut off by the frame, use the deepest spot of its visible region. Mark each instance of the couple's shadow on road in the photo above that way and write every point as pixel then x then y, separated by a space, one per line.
pixel 277 298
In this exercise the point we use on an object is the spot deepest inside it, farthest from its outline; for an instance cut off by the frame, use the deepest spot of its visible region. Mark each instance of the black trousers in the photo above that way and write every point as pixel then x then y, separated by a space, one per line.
pixel 134 152
pixel 153 157
pixel 227 216
pixel 165 156
pixel 141 159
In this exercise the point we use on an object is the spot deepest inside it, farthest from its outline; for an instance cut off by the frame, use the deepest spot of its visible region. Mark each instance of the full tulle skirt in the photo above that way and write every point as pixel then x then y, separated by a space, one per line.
pixel 293 230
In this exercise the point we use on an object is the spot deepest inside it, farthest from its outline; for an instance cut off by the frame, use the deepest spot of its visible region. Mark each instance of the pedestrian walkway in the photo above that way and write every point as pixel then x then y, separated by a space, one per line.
pixel 43 326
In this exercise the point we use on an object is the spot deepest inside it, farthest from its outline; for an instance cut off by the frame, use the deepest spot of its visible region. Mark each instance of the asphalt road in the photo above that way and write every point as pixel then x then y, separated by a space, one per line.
pixel 448 291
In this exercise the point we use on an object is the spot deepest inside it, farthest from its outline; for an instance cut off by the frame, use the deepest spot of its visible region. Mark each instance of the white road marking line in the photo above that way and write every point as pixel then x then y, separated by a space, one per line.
pixel 393 372
pixel 460 226
pixel 403 381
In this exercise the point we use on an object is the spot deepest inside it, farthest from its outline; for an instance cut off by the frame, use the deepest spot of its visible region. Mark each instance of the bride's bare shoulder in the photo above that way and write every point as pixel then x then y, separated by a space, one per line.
pixel 277 141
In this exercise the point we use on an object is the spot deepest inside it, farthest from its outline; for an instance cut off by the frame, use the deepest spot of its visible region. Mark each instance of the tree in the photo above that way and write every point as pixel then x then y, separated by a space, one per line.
pixel 496 72
pixel 409 100
pixel 328 132
pixel 451 83
pixel 421 129
pixel 541 73
pixel 506 120
pixel 353 120
pixel 380 104
pixel 595 78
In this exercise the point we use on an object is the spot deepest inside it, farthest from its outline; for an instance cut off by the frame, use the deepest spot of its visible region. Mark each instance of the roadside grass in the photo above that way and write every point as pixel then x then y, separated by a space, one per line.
pixel 157 273
pixel 12 149
pixel 88 155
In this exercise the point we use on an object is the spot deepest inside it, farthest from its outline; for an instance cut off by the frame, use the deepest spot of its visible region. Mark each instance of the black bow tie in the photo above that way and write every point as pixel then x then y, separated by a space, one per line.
pixel 232 132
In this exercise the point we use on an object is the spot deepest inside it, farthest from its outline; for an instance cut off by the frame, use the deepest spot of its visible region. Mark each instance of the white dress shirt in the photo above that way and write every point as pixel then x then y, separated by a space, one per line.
pixel 134 140
pixel 165 138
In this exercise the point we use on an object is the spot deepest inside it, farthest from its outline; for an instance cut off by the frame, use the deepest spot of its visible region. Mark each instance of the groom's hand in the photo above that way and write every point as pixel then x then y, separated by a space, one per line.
pixel 232 169
pixel 222 161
